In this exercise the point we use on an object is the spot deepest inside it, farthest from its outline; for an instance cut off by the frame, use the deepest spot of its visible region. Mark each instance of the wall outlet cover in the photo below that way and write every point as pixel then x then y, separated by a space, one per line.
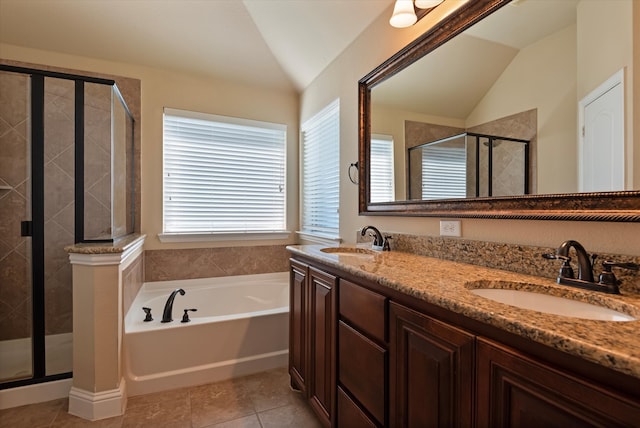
pixel 450 228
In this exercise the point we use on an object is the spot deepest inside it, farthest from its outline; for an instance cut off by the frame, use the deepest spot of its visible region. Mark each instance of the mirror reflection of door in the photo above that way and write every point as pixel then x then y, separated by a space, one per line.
pixel 601 149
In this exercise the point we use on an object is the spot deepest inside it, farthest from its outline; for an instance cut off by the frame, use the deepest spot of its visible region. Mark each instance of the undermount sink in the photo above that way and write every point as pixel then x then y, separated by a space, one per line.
pixel 552 304
pixel 349 251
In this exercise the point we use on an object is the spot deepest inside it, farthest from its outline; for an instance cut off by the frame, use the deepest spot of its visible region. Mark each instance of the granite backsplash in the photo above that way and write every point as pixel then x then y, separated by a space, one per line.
pixel 523 259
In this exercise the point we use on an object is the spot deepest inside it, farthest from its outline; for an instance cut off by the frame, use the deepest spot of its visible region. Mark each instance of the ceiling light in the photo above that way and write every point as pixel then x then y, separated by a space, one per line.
pixel 403 14
pixel 427 4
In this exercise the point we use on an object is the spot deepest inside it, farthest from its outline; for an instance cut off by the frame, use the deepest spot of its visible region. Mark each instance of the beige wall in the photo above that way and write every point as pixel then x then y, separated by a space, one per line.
pixel 374 46
pixel 163 88
pixel 540 65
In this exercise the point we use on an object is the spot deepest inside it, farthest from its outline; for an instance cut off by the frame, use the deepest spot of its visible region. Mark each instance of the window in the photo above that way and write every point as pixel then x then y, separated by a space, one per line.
pixel 320 172
pixel 381 175
pixel 222 174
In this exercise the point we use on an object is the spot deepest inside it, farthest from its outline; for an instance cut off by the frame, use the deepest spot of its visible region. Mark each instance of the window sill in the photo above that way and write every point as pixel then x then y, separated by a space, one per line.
pixel 222 236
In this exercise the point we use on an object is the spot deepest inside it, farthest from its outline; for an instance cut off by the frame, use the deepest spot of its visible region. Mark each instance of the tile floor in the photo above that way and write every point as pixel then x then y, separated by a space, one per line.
pixel 262 400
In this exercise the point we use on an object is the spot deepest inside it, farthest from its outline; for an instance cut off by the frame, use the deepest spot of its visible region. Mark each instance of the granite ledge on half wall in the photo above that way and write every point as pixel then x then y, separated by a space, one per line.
pixel 119 245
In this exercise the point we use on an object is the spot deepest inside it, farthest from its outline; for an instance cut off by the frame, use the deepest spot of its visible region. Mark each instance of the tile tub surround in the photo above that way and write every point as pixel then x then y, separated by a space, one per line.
pixel 523 259
pixel 442 283
pixel 167 265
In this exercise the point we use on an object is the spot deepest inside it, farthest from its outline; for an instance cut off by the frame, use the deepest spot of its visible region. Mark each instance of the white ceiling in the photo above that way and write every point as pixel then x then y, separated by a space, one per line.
pixel 283 44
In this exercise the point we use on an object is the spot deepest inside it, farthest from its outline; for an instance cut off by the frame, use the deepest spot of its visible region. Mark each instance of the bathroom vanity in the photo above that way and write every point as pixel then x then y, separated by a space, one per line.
pixel 396 339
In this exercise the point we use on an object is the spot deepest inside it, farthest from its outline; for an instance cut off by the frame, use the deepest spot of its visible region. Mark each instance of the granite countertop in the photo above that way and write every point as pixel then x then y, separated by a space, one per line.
pixel 120 245
pixel 615 345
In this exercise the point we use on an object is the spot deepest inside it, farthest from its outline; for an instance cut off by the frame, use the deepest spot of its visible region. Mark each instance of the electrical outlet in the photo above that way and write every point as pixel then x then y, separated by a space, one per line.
pixel 450 228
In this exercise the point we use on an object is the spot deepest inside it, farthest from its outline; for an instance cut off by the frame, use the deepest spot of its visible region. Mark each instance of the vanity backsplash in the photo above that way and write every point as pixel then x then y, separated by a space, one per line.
pixel 523 259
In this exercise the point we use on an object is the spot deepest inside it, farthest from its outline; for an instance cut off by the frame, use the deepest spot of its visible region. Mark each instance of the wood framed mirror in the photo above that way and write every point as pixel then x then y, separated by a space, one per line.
pixel 484 76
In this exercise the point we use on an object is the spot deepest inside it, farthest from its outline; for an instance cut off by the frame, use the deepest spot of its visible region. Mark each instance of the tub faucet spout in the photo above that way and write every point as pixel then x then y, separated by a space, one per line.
pixel 168 307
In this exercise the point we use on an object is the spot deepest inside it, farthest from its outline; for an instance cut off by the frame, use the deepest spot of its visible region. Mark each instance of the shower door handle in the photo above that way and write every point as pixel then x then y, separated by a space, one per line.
pixel 26 228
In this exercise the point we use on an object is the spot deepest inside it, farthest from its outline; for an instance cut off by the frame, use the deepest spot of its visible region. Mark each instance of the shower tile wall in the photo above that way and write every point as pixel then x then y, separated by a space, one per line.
pixel 15 290
pixel 59 203
pixel 97 172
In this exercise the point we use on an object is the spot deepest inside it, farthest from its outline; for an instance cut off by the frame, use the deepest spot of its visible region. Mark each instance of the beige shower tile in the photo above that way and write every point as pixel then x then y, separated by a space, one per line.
pixel 220 402
pixel 14 95
pixel 13 158
pixel 14 280
pixel 292 416
pixel 58 190
pixel 34 415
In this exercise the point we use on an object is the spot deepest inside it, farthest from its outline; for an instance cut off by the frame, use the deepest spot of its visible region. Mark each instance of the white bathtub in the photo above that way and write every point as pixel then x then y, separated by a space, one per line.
pixel 240 327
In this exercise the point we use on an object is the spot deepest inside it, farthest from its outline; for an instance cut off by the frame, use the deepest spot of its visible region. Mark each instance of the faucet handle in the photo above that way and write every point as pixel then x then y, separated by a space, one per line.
pixel 385 244
pixel 185 317
pixel 566 271
pixel 148 316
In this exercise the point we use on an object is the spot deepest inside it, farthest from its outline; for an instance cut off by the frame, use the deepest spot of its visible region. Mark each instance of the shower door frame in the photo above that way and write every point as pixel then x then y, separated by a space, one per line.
pixel 34 228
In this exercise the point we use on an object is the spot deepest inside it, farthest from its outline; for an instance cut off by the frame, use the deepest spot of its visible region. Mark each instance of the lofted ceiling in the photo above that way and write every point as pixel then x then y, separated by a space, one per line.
pixel 283 44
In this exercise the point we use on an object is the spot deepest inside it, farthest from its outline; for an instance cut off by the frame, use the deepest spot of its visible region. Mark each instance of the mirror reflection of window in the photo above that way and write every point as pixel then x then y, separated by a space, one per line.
pixel 444 170
pixel 381 168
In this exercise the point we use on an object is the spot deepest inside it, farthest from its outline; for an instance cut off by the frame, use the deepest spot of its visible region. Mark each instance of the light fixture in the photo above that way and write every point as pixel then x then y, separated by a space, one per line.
pixel 427 4
pixel 403 14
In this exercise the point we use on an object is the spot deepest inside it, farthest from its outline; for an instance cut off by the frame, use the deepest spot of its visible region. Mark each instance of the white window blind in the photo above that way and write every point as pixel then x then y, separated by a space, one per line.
pixel 320 172
pixel 222 174
pixel 444 172
pixel 381 174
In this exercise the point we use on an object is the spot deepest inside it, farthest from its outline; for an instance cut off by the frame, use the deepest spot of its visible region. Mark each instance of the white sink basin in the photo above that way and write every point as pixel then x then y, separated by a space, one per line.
pixel 349 251
pixel 552 304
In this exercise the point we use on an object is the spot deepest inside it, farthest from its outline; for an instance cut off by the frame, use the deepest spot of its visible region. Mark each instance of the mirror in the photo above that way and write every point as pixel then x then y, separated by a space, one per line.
pixel 524 75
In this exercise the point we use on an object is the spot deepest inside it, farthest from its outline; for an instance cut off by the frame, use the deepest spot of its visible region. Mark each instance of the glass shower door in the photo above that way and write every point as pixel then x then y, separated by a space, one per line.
pixel 16 359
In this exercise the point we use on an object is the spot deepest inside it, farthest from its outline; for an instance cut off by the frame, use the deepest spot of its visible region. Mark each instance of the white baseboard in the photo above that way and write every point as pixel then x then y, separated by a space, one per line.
pixel 98 405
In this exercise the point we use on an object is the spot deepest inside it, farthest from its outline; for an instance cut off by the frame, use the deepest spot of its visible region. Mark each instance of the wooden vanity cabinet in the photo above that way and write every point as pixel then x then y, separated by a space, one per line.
pixel 514 390
pixel 432 371
pixel 312 337
pixel 367 357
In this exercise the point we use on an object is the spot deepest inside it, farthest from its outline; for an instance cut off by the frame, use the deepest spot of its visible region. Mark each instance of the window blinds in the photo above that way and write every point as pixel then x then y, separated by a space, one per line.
pixel 320 172
pixel 444 172
pixel 222 174
pixel 381 174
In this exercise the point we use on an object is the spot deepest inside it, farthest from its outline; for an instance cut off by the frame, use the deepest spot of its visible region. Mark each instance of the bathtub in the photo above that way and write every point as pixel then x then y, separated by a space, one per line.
pixel 240 327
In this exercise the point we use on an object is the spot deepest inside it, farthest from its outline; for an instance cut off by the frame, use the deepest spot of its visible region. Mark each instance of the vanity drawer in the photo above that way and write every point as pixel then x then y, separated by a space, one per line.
pixel 350 415
pixel 363 309
pixel 362 370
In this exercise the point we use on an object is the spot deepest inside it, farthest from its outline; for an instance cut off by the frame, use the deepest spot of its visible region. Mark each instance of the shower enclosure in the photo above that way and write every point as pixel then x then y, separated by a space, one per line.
pixel 66 176
pixel 468 165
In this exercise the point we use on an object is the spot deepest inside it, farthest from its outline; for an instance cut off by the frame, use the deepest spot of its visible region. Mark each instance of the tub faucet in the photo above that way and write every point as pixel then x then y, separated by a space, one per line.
pixel 168 307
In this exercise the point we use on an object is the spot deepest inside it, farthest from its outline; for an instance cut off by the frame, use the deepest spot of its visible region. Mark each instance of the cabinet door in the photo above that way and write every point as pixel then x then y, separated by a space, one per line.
pixel 322 311
pixel 431 372
pixel 517 391
pixel 298 361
